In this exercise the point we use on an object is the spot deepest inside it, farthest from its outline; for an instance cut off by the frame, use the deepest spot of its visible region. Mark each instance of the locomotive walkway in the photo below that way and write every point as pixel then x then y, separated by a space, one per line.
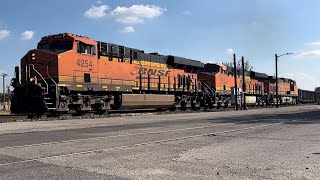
pixel 257 144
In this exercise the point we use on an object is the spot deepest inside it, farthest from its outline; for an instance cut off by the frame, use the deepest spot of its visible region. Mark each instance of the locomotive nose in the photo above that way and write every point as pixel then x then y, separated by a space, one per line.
pixel 38 63
pixel 39 59
pixel 29 58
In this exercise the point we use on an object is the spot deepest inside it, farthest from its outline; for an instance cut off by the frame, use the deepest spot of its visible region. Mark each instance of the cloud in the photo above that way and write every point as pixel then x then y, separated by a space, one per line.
pixel 304 80
pixel 186 13
pixel 4 34
pixel 128 29
pixel 314 51
pixel 26 35
pixel 298 76
pixel 315 43
pixel 99 2
pixel 96 12
pixel 230 51
pixel 136 14
pixel 310 53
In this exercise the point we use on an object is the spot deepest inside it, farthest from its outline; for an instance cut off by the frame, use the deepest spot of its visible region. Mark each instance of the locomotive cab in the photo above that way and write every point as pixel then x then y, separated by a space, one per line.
pixel 58 58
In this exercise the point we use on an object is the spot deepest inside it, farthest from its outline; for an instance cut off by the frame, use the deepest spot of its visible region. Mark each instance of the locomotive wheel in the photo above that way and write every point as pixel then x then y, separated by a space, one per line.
pixel 183 106
pixel 218 105
pixel 101 112
pixel 195 106
pixel 173 108
pixel 54 114
pixel 79 113
pixel 226 105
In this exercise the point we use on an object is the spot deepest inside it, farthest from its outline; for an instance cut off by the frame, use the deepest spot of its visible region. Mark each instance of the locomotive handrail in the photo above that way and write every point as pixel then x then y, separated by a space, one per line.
pixel 207 86
pixel 41 77
pixel 53 82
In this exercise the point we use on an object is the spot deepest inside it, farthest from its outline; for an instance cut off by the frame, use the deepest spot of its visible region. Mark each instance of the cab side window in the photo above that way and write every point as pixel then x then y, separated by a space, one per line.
pixel 83 48
pixel 78 47
pixel 93 50
pixel 87 49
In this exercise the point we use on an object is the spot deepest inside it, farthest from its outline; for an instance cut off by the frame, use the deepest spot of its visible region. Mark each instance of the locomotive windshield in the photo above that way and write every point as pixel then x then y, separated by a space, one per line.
pixel 212 68
pixel 56 46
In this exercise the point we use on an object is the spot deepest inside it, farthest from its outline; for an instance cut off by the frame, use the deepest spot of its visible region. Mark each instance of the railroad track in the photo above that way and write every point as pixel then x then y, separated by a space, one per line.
pixel 90 115
pixel 12 118
pixel 6 118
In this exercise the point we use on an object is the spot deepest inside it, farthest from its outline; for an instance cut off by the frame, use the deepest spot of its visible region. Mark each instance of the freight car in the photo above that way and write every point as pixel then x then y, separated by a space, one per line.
pixel 68 72
pixel 306 96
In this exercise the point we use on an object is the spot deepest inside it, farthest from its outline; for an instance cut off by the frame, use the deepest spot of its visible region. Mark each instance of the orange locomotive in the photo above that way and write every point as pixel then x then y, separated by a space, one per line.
pixel 70 72
pixel 260 89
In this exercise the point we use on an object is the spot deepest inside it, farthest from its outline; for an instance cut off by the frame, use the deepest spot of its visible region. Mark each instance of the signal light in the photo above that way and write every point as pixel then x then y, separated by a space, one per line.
pixel 33 56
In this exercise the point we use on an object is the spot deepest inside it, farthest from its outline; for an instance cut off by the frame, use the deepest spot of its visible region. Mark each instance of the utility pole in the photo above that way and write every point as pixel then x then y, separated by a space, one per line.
pixel 243 84
pixel 8 93
pixel 277 57
pixel 4 89
pixel 235 80
pixel 277 105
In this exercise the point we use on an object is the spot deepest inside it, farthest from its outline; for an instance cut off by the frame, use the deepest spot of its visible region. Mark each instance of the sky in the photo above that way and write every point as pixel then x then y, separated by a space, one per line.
pixel 205 30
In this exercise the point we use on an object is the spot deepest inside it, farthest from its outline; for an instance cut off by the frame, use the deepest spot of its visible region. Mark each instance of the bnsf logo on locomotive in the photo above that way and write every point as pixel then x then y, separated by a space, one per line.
pixel 153 72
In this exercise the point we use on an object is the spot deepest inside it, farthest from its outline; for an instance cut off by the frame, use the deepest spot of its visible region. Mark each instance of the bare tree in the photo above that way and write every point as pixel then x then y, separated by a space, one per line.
pixel 247 65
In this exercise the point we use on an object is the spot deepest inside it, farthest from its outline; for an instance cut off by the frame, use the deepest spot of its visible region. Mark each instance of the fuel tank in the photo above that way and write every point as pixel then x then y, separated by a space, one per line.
pixel 136 101
pixel 251 100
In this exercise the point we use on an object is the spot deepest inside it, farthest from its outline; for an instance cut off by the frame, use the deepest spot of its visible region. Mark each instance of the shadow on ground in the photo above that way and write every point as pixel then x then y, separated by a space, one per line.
pixel 309 117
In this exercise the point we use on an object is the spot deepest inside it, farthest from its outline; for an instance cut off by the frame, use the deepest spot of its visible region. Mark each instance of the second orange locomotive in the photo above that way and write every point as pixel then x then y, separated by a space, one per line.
pixel 259 89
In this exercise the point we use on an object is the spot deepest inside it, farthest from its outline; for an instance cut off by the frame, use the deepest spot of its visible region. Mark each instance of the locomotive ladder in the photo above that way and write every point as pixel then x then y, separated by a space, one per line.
pixel 49 101
pixel 49 98
pixel 211 90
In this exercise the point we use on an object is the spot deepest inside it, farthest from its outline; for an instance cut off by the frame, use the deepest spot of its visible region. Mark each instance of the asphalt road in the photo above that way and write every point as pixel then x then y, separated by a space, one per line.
pixel 279 143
